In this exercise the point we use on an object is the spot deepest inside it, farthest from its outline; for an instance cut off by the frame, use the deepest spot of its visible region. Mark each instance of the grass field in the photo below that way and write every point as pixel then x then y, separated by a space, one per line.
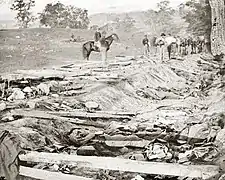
pixel 41 47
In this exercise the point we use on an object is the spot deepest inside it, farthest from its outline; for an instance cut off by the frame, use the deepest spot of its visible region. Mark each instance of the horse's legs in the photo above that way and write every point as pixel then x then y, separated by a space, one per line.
pixel 169 50
pixel 104 55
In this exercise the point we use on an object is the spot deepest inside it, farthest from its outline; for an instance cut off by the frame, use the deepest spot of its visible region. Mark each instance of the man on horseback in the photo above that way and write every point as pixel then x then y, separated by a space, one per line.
pixel 103 47
pixel 97 37
pixel 145 42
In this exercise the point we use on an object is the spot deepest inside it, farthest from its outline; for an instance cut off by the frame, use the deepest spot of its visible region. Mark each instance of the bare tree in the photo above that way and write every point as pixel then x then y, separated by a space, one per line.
pixel 218 28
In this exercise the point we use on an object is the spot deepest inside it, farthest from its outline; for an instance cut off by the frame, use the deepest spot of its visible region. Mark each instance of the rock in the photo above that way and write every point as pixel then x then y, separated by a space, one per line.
pixel 2 106
pixel 43 89
pixel 91 105
pixel 16 95
pixel 27 90
pixel 86 151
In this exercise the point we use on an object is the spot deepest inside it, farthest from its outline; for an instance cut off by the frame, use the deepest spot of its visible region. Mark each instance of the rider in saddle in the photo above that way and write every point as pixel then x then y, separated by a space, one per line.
pixel 103 47
pixel 97 37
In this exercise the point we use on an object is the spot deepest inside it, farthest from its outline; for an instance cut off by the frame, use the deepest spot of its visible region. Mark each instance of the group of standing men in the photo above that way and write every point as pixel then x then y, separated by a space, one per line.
pixel 173 45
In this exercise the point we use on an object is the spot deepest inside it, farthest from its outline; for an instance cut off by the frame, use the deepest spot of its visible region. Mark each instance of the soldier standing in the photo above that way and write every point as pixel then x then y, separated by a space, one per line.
pixel 160 42
pixel 145 42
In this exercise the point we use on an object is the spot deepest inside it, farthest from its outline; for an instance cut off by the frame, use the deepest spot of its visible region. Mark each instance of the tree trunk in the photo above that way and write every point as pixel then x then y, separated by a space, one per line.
pixel 218 28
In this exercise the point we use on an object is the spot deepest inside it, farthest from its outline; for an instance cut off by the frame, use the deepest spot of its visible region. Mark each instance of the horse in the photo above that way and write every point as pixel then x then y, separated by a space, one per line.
pixel 90 46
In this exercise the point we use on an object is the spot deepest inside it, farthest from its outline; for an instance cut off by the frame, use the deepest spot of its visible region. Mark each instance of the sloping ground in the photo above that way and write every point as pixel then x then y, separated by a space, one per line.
pixel 137 109
pixel 42 47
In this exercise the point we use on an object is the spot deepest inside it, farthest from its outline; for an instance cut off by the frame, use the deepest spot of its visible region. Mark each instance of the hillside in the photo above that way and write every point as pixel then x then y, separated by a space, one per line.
pixel 140 18
pixel 39 47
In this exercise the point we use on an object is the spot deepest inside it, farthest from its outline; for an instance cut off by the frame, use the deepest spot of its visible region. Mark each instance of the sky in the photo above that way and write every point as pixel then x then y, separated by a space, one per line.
pixel 95 6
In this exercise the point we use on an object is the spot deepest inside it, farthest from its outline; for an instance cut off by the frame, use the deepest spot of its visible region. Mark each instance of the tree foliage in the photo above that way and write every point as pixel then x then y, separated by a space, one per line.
pixel 24 15
pixel 162 19
pixel 60 16
pixel 127 23
pixel 198 17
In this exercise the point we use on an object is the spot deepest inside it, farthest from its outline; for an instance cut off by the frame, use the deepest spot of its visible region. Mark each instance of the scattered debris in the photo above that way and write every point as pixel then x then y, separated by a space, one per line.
pixel 139 116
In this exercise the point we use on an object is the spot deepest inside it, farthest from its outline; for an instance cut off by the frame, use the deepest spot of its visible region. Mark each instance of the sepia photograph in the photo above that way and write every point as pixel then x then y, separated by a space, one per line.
pixel 112 90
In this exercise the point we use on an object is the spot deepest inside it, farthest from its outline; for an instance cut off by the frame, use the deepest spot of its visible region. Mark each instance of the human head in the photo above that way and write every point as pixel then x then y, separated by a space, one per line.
pixel 163 34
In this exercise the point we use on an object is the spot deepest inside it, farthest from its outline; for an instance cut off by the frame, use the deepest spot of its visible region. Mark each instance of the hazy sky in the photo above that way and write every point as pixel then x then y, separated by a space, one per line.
pixel 95 6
